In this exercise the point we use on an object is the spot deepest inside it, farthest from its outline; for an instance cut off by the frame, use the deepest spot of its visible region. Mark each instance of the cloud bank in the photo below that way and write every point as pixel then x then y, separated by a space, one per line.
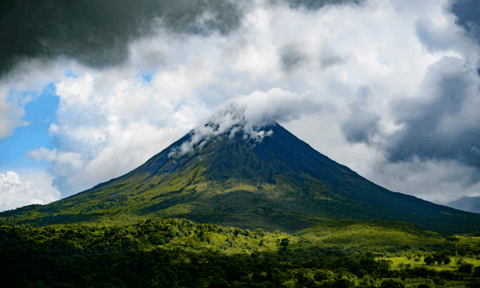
pixel 98 33
pixel 388 88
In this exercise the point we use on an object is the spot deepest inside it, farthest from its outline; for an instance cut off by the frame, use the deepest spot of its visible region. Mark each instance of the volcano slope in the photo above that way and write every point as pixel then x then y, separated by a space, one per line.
pixel 271 180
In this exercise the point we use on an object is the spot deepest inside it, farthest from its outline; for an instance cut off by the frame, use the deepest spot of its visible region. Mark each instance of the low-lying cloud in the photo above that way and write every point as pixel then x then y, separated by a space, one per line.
pixel 250 114
pixel 16 193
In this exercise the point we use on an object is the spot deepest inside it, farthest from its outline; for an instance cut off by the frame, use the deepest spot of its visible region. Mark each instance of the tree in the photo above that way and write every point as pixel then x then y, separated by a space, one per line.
pixel 439 282
pixel 284 243
pixel 429 260
pixel 237 231
pixel 446 274
pixel 391 284
pixel 343 283
pixel 476 271
pixel 466 268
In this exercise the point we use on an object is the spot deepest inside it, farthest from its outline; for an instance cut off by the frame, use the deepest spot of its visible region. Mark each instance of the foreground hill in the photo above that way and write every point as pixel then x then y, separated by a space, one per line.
pixel 262 177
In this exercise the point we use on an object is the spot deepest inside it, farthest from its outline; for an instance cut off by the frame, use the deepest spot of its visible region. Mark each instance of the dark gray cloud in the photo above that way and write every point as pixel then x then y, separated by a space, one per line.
pixel 362 124
pixel 97 32
pixel 291 58
pixel 468 16
pixel 438 126
pixel 317 4
pixel 470 204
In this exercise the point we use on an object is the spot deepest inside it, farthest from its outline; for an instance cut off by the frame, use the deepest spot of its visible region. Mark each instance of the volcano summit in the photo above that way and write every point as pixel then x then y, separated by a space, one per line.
pixel 248 176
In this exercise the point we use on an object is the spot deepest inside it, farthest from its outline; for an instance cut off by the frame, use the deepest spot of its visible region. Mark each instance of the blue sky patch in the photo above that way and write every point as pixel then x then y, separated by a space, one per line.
pixel 40 113
pixel 147 75
pixel 69 73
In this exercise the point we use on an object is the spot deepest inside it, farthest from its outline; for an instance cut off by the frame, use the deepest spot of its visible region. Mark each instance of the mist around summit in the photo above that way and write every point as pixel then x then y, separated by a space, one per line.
pixel 251 114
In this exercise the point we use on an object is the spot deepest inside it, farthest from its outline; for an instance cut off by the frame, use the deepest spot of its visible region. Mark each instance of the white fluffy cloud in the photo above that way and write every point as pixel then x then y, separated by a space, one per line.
pixel 251 114
pixel 113 121
pixel 15 193
pixel 58 157
pixel 276 105
pixel 10 116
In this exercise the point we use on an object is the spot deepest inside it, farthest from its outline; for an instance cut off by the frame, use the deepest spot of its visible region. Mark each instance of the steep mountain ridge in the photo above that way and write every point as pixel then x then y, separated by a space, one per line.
pixel 271 180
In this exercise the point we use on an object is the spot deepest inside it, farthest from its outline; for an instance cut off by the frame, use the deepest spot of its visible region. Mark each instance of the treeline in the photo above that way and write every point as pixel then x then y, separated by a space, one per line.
pixel 182 253
pixel 27 266
pixel 144 235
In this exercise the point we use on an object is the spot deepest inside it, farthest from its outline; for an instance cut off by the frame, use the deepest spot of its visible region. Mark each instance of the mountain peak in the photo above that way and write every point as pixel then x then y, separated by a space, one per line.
pixel 250 174
pixel 228 124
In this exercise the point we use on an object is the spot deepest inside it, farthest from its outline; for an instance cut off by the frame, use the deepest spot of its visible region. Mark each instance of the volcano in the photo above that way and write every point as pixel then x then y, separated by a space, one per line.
pixel 249 177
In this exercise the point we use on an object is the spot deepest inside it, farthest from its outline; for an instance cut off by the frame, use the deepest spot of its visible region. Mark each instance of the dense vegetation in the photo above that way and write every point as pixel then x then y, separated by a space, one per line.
pixel 182 253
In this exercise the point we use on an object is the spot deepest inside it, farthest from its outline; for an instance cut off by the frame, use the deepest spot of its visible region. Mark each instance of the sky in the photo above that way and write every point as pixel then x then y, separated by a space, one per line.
pixel 90 90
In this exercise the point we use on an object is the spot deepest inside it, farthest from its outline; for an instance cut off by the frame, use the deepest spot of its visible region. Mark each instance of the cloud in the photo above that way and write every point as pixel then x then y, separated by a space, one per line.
pixel 439 181
pixel 328 59
pixel 132 147
pixel 26 81
pixel 291 58
pixel 362 124
pixel 467 12
pixel 15 192
pixel 181 82
pixel 10 116
pixel 59 157
pixel 98 34
pixel 426 130
pixel 441 124
pixel 379 85
pixel 250 114
pixel 276 105
pixel 317 4
pixel 110 122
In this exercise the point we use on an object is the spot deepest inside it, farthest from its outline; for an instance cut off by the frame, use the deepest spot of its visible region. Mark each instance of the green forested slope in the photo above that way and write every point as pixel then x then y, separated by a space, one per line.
pixel 280 183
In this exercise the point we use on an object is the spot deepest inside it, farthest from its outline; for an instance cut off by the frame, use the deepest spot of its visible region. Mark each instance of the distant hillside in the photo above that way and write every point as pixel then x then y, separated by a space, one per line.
pixel 261 177
pixel 469 204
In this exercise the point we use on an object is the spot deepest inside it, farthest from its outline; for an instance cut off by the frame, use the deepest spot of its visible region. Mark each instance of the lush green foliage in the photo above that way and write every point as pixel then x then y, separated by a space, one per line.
pixel 182 253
